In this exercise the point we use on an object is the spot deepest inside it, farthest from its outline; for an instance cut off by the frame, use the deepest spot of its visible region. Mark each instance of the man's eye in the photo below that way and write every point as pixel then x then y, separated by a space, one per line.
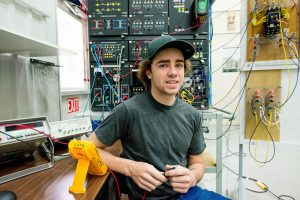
pixel 179 65
pixel 162 65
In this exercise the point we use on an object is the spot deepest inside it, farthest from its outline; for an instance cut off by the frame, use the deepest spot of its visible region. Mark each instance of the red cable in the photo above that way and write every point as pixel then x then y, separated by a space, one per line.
pixel 145 195
pixel 125 75
pixel 185 29
pixel 117 183
pixel 25 126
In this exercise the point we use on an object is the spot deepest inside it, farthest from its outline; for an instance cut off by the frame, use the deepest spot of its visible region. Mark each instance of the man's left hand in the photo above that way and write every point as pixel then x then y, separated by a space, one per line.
pixel 181 178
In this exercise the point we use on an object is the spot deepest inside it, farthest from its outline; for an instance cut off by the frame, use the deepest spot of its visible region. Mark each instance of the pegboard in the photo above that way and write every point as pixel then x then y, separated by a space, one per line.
pixel 270 48
pixel 264 81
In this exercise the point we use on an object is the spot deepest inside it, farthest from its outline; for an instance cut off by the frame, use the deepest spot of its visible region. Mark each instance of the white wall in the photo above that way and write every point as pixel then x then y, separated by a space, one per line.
pixel 290 112
pixel 223 82
pixel 82 96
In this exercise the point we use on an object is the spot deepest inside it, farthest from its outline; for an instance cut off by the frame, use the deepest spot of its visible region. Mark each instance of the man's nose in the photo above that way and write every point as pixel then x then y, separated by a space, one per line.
pixel 172 70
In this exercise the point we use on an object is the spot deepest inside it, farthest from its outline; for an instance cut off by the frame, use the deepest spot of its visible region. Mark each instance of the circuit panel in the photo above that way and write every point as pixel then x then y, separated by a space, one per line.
pixel 101 25
pixel 201 50
pixel 148 24
pixel 196 85
pixel 183 20
pixel 111 86
pixel 148 7
pixel 119 34
pixel 109 51
pixel 197 81
pixel 273 28
pixel 263 97
pixel 138 48
pixel 135 85
pixel 108 7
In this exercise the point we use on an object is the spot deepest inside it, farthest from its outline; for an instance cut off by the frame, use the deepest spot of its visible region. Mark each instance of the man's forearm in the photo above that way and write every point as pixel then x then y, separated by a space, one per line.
pixel 116 163
pixel 198 170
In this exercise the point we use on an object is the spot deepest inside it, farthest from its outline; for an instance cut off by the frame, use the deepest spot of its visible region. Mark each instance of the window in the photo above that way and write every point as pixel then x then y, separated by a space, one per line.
pixel 70 37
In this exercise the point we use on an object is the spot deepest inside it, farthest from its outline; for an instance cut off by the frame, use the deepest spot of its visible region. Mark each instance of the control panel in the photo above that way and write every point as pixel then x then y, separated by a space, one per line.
pixel 108 24
pixel 119 34
pixel 136 85
pixel 195 86
pixel 71 127
pixel 108 7
pixel 138 47
pixel 109 50
pixel 148 24
pixel 111 86
pixel 124 91
pixel 184 21
pixel 201 51
pixel 23 129
pixel 148 6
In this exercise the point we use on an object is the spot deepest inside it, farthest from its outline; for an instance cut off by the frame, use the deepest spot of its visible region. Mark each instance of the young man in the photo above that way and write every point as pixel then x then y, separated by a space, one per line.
pixel 161 135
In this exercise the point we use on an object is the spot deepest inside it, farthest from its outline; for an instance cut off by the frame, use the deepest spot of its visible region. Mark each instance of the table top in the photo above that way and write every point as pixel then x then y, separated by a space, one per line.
pixel 54 183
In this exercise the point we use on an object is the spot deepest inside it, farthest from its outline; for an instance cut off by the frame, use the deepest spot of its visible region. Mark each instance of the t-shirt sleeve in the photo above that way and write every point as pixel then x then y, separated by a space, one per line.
pixel 197 145
pixel 113 126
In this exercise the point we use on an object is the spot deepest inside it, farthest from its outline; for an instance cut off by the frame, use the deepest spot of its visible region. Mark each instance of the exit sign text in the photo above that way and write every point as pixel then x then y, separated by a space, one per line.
pixel 73 104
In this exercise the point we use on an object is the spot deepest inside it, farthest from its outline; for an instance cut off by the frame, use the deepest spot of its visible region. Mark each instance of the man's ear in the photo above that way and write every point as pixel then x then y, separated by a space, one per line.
pixel 149 74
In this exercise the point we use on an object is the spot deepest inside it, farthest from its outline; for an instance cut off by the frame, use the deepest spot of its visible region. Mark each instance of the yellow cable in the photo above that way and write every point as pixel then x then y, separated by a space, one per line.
pixel 256 122
pixel 268 134
pixel 185 97
pixel 256 140
pixel 193 98
pixel 285 57
pixel 256 22
pixel 260 21
pixel 286 14
pixel 268 139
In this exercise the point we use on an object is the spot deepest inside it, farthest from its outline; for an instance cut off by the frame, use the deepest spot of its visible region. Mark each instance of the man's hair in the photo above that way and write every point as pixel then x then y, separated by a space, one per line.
pixel 146 65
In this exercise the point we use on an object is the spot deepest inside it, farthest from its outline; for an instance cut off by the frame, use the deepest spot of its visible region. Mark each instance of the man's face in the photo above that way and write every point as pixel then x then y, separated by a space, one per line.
pixel 167 72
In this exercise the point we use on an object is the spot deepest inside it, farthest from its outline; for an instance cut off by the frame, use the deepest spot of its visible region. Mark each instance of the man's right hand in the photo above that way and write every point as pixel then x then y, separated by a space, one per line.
pixel 146 176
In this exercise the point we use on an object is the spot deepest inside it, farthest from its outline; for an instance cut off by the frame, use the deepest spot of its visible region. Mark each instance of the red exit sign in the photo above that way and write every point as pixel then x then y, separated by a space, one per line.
pixel 73 104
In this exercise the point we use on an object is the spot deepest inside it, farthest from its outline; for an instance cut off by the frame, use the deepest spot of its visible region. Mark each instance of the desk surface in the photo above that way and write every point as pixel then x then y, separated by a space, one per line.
pixel 54 183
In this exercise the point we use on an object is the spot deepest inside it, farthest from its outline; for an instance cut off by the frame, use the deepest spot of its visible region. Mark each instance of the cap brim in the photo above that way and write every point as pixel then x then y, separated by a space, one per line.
pixel 186 48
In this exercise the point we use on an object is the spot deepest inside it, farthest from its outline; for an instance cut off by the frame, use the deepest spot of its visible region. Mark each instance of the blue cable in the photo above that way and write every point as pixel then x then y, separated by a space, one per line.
pixel 101 69
pixel 89 95
pixel 101 116
pixel 108 107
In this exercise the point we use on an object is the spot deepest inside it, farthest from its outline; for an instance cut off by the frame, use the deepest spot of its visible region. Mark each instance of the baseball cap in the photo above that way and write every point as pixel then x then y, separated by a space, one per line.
pixel 167 41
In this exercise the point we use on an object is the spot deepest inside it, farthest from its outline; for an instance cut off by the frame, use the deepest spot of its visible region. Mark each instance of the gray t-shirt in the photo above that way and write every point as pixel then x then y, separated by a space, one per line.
pixel 154 133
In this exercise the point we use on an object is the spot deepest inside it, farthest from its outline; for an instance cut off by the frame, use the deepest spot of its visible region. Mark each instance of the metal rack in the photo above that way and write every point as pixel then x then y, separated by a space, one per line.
pixel 219 145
